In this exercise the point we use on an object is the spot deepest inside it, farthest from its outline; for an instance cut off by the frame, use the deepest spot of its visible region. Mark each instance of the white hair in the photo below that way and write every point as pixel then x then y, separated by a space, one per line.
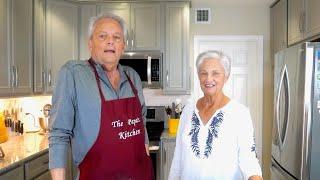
pixel 93 20
pixel 218 55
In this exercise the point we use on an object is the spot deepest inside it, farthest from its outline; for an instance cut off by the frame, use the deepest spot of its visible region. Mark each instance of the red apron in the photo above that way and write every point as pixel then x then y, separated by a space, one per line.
pixel 119 151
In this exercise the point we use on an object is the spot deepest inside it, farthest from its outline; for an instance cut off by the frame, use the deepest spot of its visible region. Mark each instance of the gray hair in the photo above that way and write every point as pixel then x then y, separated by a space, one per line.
pixel 93 20
pixel 218 55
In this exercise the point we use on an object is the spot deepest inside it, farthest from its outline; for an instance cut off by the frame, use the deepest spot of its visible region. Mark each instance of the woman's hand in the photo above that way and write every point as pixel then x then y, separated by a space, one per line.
pixel 147 149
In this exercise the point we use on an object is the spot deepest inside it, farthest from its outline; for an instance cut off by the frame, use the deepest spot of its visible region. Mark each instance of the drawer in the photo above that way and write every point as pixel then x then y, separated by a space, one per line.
pixel 37 166
pixel 13 174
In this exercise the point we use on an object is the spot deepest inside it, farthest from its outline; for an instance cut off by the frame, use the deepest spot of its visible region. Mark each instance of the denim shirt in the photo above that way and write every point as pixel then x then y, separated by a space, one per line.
pixel 76 109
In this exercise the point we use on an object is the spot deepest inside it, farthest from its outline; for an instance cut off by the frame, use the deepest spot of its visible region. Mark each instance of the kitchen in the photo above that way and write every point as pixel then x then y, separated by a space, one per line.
pixel 34 54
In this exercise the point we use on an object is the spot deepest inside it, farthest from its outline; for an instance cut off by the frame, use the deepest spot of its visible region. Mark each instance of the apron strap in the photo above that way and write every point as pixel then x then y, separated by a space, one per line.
pixel 132 86
pixel 97 78
pixel 135 92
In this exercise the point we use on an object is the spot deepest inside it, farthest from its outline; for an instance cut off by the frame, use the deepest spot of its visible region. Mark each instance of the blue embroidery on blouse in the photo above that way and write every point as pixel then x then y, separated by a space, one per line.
pixel 194 134
pixel 212 133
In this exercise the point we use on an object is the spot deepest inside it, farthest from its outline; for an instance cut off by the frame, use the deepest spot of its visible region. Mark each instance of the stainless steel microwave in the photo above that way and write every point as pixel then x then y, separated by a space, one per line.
pixel 148 64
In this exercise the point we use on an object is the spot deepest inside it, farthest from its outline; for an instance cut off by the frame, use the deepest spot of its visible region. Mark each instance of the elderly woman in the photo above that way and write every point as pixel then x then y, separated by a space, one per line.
pixel 215 135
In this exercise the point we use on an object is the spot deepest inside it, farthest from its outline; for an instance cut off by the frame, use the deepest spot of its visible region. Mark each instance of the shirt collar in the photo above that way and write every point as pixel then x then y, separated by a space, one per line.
pixel 102 74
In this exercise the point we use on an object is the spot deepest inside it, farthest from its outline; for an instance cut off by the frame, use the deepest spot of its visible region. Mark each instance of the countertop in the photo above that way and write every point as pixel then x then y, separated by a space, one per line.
pixel 22 147
pixel 167 136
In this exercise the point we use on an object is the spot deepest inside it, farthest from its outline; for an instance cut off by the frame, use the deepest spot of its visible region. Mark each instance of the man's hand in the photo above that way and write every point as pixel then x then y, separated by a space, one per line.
pixel 58 174
pixel 255 177
pixel 147 149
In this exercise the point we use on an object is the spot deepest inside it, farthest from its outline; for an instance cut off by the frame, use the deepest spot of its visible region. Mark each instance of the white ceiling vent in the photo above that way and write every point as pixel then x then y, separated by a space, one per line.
pixel 203 16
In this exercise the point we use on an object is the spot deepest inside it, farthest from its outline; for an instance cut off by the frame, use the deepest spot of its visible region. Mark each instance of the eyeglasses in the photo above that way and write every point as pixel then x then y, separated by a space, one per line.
pixel 114 37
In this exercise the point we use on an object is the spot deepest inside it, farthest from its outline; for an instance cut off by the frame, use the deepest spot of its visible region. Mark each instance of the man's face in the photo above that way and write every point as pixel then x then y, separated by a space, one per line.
pixel 107 42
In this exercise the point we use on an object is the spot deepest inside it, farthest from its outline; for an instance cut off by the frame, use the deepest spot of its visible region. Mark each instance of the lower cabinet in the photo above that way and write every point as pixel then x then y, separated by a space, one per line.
pixel 15 173
pixel 166 154
pixel 36 168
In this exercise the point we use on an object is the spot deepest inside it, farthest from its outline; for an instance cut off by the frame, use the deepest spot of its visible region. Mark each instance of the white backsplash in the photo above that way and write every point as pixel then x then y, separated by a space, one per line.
pixel 34 104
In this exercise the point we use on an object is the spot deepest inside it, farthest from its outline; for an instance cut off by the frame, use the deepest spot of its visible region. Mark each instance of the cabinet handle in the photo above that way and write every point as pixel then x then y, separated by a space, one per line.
pixel 132 38
pixel 165 156
pixel 303 21
pixel 127 42
pixel 167 78
pixel 43 79
pixel 12 76
pixel 16 79
pixel 49 77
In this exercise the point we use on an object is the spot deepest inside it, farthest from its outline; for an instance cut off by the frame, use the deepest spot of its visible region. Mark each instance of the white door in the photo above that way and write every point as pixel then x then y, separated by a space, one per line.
pixel 246 78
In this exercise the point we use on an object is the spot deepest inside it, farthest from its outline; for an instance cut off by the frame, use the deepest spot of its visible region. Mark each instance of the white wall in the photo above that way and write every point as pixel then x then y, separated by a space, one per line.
pixel 232 17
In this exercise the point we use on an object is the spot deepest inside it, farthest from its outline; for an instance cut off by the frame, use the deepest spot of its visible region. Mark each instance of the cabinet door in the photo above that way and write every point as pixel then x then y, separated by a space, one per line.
pixel 279 25
pixel 61 37
pixel 120 9
pixel 312 17
pixel 6 67
pixel 13 174
pixel 39 43
pixel 145 26
pixel 176 74
pixel 21 44
pixel 86 11
pixel 295 21
pixel 167 152
pixel 37 166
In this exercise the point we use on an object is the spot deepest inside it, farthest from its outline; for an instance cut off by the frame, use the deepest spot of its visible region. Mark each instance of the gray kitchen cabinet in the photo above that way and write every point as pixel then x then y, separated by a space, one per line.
pixel 5 63
pixel 37 166
pixel 146 27
pixel 86 11
pixel 15 173
pixel 303 20
pixel 39 74
pixel 16 41
pixel 61 37
pixel 295 21
pixel 312 18
pixel 279 26
pixel 143 23
pixel 177 71
pixel 166 156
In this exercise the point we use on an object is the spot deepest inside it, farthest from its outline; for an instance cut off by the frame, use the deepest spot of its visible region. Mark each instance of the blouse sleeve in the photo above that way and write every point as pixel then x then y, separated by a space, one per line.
pixel 175 170
pixel 248 161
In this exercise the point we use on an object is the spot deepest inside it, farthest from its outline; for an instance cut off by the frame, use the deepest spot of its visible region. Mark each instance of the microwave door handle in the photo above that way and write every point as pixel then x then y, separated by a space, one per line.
pixel 149 70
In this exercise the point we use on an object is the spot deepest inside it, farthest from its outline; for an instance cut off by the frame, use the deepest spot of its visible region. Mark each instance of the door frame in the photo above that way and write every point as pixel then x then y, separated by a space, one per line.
pixel 199 39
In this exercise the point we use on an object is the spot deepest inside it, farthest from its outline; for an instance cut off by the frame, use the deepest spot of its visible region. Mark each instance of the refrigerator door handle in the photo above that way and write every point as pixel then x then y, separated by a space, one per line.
pixel 283 77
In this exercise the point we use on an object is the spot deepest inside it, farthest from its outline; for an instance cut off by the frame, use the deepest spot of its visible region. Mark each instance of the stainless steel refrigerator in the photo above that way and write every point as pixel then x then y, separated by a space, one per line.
pixel 296 122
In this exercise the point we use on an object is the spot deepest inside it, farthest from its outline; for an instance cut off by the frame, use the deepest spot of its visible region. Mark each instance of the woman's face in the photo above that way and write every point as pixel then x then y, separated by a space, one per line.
pixel 211 76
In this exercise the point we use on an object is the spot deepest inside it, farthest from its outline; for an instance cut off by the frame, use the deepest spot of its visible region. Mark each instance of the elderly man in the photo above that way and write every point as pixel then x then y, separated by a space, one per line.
pixel 99 109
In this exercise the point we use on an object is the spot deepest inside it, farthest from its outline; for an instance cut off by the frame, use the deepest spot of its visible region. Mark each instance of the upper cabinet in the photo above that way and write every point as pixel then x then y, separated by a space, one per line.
pixel 303 20
pixel 313 17
pixel 143 22
pixel 39 74
pixel 176 73
pixel 61 38
pixel 295 21
pixel 279 26
pixel 16 47
pixel 86 12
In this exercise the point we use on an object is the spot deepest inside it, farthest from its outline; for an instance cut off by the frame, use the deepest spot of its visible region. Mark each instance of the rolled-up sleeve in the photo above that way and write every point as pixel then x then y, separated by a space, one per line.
pixel 61 118
pixel 248 161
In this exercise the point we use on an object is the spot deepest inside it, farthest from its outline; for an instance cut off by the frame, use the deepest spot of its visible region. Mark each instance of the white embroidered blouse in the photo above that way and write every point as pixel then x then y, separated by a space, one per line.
pixel 222 149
